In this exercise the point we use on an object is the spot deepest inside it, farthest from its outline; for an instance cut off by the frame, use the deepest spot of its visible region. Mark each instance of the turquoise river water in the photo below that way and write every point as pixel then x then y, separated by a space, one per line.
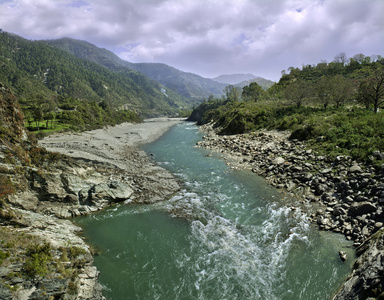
pixel 240 238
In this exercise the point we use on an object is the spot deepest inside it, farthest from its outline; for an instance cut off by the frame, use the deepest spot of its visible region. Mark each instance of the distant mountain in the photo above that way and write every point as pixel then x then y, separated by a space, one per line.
pixel 241 80
pixel 186 84
pixel 233 78
pixel 36 69
pixel 264 83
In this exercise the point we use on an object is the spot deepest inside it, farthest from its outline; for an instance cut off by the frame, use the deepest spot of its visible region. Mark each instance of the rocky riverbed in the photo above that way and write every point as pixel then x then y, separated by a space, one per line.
pixel 41 253
pixel 349 196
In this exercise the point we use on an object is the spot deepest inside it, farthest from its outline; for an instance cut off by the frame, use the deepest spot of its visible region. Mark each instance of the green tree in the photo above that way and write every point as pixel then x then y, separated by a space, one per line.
pixel 322 90
pixel 252 92
pixel 29 117
pixel 50 116
pixel 341 89
pixel 371 89
pixel 298 92
pixel 232 93
pixel 38 115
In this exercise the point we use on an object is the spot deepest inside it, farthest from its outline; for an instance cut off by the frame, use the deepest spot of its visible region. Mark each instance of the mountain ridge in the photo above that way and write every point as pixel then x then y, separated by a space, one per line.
pixel 240 80
pixel 35 69
pixel 188 85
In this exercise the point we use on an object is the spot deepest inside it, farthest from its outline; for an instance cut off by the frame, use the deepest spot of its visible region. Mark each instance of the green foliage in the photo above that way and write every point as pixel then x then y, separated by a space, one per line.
pixel 3 256
pixel 74 251
pixel 345 131
pixel 6 187
pixel 298 92
pixel 205 111
pixel 38 259
pixel 39 72
pixel 344 128
pixel 371 89
pixel 253 92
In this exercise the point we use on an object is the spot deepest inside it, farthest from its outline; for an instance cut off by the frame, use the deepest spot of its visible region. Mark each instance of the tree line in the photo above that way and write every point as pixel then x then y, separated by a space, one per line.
pixel 360 79
pixel 335 107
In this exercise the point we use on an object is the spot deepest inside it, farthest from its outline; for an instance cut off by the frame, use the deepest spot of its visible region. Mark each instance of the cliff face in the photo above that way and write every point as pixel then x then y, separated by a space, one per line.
pixel 41 256
pixel 367 278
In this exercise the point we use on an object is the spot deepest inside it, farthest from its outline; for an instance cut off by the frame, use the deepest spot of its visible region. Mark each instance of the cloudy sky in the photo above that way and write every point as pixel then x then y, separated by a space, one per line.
pixel 209 37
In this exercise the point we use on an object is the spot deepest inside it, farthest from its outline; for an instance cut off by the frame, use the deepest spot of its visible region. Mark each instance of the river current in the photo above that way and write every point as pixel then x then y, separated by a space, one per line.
pixel 226 235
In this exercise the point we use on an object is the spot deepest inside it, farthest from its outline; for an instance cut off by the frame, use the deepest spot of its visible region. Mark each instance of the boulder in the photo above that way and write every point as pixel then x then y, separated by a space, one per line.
pixel 355 168
pixel 343 255
pixel 339 211
pixel 112 192
pixel 361 208
pixel 278 161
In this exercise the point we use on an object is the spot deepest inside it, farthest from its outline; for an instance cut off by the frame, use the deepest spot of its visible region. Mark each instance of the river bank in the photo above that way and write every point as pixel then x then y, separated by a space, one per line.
pixel 350 194
pixel 115 152
pixel 86 172
pixel 225 235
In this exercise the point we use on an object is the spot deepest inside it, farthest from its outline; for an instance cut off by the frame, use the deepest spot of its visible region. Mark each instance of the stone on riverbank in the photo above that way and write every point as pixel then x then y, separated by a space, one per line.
pixel 350 194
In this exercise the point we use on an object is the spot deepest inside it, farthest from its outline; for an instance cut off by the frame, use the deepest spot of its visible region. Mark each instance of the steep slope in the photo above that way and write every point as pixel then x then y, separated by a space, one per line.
pixel 186 84
pixel 44 253
pixel 34 67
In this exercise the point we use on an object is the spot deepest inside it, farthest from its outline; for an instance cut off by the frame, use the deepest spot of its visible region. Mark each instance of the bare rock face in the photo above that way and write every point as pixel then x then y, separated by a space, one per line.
pixel 367 278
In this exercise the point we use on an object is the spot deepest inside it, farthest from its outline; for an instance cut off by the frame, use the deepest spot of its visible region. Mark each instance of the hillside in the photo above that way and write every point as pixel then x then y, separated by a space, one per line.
pixel 33 68
pixel 264 83
pixel 242 80
pixel 186 84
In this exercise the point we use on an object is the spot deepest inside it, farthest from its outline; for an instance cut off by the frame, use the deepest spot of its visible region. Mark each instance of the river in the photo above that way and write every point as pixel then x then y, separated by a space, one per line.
pixel 226 235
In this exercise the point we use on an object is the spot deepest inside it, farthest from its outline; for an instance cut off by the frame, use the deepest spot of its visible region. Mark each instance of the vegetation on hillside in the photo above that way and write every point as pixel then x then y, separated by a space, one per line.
pixel 41 74
pixel 335 107
pixel 188 85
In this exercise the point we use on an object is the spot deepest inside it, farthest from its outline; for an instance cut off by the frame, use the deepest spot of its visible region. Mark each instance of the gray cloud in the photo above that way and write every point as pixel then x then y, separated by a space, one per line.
pixel 208 37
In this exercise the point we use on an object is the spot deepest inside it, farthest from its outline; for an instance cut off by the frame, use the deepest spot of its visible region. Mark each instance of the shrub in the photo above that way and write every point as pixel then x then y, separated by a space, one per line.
pixel 38 259
pixel 6 186
pixel 3 256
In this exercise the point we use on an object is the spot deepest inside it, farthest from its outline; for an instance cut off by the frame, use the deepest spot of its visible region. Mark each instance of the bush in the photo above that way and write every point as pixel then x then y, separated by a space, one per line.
pixel 6 186
pixel 38 259
pixel 346 131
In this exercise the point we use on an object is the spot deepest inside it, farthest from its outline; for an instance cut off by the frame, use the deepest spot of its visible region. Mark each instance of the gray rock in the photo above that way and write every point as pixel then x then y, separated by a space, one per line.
pixel 367 275
pixel 4 272
pixel 278 161
pixel 361 208
pixel 378 155
pixel 339 211
pixel 326 171
pixel 112 192
pixel 343 255
pixel 355 169
pixel 320 189
pixel 306 177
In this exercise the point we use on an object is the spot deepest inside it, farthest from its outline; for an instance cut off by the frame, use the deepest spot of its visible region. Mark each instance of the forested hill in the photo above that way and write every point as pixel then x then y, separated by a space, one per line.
pixel 336 107
pixel 34 69
pixel 186 84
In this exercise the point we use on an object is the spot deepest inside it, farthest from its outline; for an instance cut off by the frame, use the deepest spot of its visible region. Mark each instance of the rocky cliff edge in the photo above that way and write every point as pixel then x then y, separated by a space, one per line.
pixel 41 253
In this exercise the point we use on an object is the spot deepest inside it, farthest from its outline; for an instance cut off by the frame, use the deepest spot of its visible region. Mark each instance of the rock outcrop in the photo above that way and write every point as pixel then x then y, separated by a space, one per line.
pixel 367 278
pixel 41 254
